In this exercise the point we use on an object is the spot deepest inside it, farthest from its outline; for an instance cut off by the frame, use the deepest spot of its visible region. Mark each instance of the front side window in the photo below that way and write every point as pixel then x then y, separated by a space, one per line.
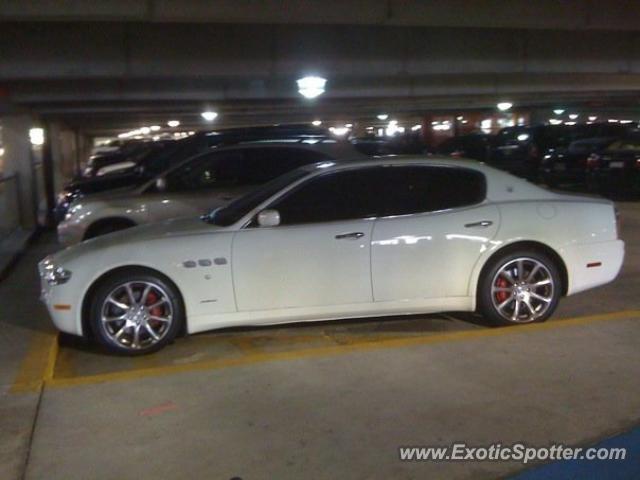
pixel 213 170
pixel 380 191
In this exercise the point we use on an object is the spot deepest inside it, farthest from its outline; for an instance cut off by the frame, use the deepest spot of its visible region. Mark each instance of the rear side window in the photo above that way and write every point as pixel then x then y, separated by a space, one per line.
pixel 429 189
pixel 264 164
pixel 379 192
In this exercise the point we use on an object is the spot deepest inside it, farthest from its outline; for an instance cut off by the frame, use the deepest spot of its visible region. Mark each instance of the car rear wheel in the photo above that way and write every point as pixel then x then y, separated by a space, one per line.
pixel 520 287
pixel 136 312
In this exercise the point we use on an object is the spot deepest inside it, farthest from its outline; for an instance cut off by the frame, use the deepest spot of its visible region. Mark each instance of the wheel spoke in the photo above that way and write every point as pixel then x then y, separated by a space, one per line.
pixel 160 319
pixel 541 283
pixel 505 303
pixel 527 302
pixel 521 270
pixel 501 289
pixel 114 319
pixel 533 272
pixel 120 305
pixel 540 297
pixel 120 332
pixel 135 343
pixel 129 290
pixel 516 310
pixel 148 328
pixel 506 274
pixel 145 294
pixel 157 304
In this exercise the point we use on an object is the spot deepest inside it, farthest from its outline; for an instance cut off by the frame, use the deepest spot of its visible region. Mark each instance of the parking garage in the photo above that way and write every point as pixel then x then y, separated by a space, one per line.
pixel 169 308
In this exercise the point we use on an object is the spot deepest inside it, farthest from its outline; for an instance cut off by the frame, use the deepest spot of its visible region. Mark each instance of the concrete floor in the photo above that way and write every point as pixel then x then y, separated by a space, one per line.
pixel 324 400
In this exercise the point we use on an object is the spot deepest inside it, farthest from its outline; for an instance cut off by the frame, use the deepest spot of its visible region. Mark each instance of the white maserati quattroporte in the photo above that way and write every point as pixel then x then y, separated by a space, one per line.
pixel 328 241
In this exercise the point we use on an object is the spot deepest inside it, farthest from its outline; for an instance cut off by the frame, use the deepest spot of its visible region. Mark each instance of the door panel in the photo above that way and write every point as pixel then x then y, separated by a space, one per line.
pixel 302 265
pixel 429 255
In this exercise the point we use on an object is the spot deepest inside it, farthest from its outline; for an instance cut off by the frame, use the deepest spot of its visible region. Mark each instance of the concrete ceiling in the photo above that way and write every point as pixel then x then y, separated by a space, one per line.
pixel 113 65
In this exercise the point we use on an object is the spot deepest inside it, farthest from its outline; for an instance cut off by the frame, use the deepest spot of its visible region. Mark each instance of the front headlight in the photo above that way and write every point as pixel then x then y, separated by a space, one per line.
pixel 53 274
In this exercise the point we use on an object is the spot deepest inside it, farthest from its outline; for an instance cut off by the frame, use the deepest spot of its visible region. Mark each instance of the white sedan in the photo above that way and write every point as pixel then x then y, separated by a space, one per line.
pixel 330 241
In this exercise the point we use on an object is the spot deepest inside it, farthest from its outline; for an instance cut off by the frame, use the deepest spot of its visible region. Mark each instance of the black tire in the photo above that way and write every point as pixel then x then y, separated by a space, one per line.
pixel 107 227
pixel 485 296
pixel 103 333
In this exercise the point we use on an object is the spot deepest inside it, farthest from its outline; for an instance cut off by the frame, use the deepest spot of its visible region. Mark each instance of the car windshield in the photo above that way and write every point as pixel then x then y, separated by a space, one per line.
pixel 237 209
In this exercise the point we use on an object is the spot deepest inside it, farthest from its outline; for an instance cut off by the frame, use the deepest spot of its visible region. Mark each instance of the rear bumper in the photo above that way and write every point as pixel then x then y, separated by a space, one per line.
pixel 619 179
pixel 593 264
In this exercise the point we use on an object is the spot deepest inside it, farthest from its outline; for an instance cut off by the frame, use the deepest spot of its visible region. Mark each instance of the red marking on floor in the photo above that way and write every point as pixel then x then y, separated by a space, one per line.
pixel 157 410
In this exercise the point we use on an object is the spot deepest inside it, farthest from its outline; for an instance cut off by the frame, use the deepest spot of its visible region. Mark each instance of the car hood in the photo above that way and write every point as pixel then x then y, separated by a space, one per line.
pixel 136 237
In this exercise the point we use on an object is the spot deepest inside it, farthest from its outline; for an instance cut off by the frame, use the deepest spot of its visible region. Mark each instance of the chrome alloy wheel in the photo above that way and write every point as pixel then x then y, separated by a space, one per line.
pixel 136 315
pixel 522 290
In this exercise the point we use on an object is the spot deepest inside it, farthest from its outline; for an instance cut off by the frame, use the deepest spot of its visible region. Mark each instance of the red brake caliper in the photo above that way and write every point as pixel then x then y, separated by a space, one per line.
pixel 151 299
pixel 501 296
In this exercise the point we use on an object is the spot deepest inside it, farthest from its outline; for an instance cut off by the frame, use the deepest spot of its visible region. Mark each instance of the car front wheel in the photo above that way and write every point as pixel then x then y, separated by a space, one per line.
pixel 136 312
pixel 521 287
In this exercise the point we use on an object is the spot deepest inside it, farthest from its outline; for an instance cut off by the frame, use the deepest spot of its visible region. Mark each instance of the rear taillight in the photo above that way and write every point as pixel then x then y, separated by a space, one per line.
pixel 593 161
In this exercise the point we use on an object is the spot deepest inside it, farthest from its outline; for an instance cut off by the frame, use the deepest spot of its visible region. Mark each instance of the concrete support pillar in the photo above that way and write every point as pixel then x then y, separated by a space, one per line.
pixel 18 159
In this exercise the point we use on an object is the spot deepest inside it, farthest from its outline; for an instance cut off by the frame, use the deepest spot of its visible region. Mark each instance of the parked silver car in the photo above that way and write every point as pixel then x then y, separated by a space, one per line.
pixel 195 186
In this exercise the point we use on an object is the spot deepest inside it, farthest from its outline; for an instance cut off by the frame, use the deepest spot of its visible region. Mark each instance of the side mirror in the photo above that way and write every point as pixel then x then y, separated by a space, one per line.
pixel 269 218
pixel 161 184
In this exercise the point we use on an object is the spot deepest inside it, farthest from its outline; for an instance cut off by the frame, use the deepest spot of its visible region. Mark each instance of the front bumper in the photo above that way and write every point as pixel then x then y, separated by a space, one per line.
pixel 61 304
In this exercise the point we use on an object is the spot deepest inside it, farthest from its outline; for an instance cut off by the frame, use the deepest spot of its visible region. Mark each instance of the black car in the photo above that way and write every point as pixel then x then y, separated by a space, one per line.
pixel 476 146
pixel 519 150
pixel 569 164
pixel 616 169
pixel 175 152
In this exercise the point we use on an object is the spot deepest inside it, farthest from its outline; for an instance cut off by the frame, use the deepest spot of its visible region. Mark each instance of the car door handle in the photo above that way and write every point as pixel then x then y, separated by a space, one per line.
pixel 481 224
pixel 351 235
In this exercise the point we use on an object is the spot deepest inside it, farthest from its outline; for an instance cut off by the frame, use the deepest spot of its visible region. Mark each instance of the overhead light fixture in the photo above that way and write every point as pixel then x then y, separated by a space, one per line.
pixel 145 130
pixel 339 131
pixel 559 111
pixel 316 123
pixel 173 123
pixel 36 136
pixel 592 118
pixel 460 118
pixel 573 116
pixel 209 115
pixel 383 116
pixel 504 106
pixel 416 127
pixel 154 128
pixel 555 121
pixel 626 121
pixel 311 86
pixel 348 125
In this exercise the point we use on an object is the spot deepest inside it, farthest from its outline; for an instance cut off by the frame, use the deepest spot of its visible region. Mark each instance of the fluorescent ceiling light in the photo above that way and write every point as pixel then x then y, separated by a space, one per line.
pixel 316 123
pixel 36 136
pixel 173 123
pixel 311 86
pixel 209 116
pixel 559 111
pixel 383 116
pixel 504 106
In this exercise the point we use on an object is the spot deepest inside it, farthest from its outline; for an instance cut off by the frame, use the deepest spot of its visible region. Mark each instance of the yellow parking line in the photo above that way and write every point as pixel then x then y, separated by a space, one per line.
pixel 38 365
pixel 356 345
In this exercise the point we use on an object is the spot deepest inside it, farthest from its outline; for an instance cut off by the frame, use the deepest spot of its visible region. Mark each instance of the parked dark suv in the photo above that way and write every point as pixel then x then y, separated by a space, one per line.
pixel 569 164
pixel 519 150
pixel 616 169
